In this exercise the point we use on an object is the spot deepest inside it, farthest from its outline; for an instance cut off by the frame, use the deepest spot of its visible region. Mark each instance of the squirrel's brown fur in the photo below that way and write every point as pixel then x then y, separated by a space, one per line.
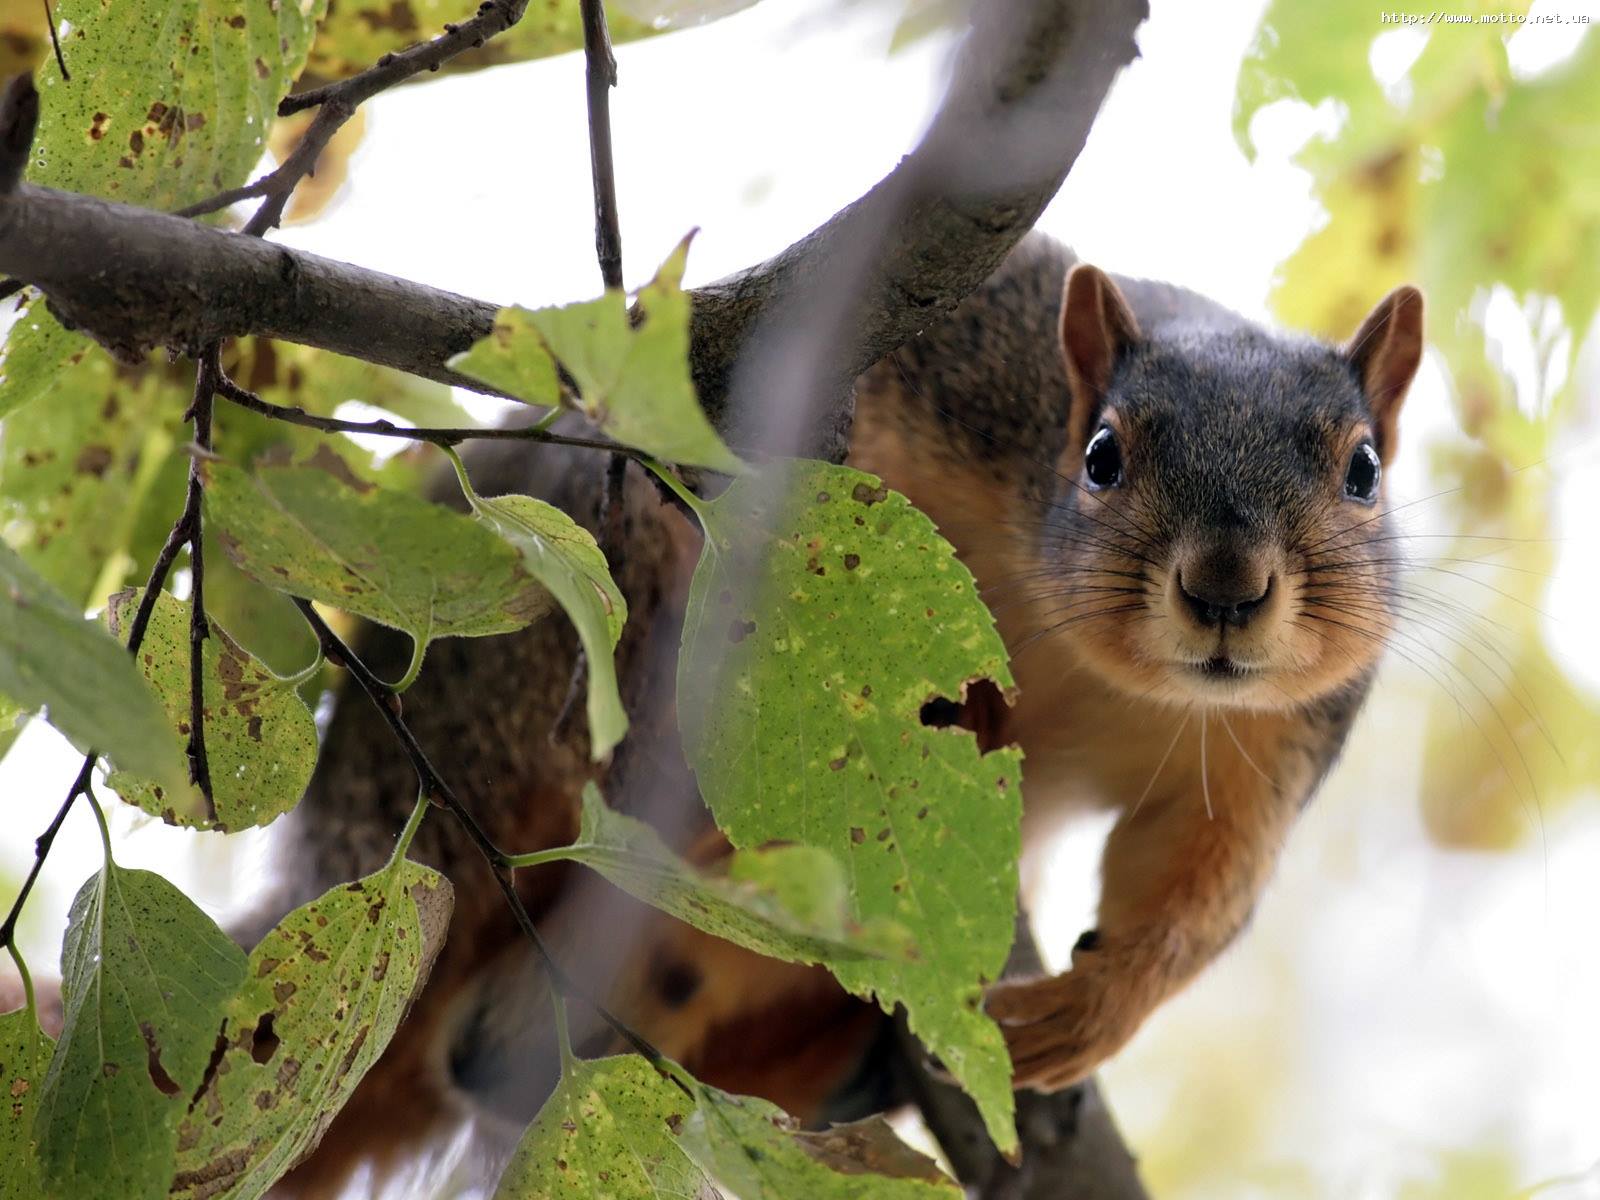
pixel 1235 444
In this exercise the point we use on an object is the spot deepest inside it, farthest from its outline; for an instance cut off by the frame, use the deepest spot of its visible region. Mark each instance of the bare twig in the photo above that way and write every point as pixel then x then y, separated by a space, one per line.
pixel 207 371
pixel 436 789
pixel 382 427
pixel 600 76
pixel 55 41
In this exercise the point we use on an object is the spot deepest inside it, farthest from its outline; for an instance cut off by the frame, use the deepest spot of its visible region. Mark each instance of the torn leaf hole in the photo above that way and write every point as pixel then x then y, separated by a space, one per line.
pixel 166 1084
pixel 982 710
pixel 263 1042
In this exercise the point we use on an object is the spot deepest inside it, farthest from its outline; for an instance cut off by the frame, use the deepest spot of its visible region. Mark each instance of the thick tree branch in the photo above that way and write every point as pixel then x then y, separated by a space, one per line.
pixel 1028 87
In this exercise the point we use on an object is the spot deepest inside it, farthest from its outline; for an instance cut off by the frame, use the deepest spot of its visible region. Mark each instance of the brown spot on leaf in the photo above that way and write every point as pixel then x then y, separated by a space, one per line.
pixel 852 561
pixel 838 764
pixel 867 495
pixel 739 630
pixel 97 125
pixel 857 834
pixel 282 990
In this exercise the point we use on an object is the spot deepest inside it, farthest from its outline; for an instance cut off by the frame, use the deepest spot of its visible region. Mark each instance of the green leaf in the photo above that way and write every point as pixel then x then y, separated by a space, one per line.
pixel 51 655
pixel 76 473
pixel 261 741
pixel 169 102
pixel 610 1131
pixel 618 1129
pixel 633 376
pixel 788 902
pixel 564 556
pixel 13 720
pixel 357 32
pixel 322 996
pixel 25 1051
pixel 819 622
pixel 145 976
pixel 319 531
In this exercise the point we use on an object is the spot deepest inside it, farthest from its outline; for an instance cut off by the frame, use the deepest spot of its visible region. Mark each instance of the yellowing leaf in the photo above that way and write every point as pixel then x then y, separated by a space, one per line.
pixel 633 376
pixel 322 995
pixel 261 741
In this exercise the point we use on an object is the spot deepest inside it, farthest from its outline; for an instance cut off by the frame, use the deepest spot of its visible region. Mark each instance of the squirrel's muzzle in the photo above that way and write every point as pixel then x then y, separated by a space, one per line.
pixel 1222 588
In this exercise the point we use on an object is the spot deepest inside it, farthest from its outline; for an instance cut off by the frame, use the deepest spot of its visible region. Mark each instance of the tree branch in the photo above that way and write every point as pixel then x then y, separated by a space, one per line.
pixel 1031 79
pixel 208 370
pixel 433 785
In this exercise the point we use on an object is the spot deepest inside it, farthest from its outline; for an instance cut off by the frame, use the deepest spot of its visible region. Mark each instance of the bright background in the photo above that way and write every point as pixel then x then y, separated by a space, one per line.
pixel 1402 1020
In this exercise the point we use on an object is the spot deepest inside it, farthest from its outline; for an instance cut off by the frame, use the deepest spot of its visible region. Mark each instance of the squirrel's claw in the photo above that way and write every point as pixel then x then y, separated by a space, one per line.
pixel 1059 1029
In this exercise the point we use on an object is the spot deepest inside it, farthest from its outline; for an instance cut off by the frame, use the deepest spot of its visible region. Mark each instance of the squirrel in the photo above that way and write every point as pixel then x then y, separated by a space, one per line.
pixel 1178 519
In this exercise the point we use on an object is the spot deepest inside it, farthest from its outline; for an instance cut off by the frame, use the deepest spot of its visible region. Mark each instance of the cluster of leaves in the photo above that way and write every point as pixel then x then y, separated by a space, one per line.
pixel 824 613
pixel 1467 178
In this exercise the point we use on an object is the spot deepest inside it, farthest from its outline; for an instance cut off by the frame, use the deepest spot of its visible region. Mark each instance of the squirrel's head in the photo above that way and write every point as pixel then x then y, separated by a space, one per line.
pixel 1224 500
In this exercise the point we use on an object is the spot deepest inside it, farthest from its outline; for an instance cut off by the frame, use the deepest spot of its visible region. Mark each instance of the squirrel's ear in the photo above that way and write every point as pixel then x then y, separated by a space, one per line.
pixel 1097 326
pixel 1385 353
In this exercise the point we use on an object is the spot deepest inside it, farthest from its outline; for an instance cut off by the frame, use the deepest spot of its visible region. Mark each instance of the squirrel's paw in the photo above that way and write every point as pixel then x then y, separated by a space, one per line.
pixel 1059 1029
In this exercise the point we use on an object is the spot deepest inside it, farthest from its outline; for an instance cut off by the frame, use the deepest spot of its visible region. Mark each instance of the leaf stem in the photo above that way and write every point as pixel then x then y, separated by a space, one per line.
pixel 676 487
pixel 100 820
pixel 539 858
pixel 558 1012
pixel 27 980
pixel 402 844
pixel 419 648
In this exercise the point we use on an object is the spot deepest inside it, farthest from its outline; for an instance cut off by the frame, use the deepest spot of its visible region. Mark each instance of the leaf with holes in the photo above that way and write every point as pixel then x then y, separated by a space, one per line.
pixel 144 977
pixel 25 1051
pixel 319 531
pixel 51 656
pixel 322 996
pixel 261 741
pixel 633 375
pixel 169 102
pixel 788 902
pixel 610 1131
pixel 564 557
pixel 823 615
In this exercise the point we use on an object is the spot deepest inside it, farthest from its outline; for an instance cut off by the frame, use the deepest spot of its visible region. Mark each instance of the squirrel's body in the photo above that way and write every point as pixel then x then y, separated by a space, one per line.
pixel 1191 643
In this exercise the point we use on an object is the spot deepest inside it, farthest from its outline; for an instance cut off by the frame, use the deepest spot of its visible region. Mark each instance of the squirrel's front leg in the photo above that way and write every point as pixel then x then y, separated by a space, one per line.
pixel 1180 877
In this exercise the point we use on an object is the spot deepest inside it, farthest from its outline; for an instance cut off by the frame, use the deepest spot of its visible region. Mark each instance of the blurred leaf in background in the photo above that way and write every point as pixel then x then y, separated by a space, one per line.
pixel 1482 185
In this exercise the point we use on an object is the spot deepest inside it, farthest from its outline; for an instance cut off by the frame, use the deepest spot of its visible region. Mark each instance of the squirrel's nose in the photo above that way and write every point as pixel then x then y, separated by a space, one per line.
pixel 1216 601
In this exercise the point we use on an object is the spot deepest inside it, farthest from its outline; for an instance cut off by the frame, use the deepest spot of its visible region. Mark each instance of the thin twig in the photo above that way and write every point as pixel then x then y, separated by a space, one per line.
pixel 600 76
pixel 383 427
pixel 207 371
pixel 436 789
pixel 177 538
pixel 337 102
pixel 55 42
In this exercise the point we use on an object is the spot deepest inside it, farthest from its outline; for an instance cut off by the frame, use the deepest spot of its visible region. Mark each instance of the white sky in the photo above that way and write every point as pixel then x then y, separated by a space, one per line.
pixel 1404 999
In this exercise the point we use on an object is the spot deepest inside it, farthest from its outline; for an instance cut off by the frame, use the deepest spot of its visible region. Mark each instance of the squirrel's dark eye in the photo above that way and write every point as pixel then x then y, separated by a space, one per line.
pixel 1361 479
pixel 1102 461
